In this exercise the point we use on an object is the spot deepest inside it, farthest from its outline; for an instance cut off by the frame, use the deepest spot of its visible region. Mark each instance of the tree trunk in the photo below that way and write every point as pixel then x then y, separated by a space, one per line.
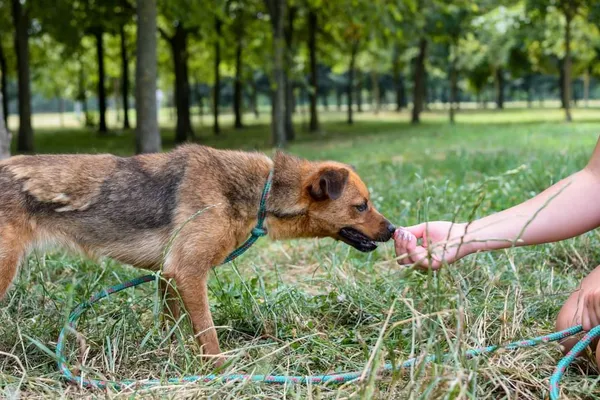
pixel 237 87
pixel 289 108
pixel 427 91
pixel 5 137
pixel 183 130
pixel 25 133
pixel 125 79
pixel 147 136
pixel 217 86
pixel 312 49
pixel 3 87
pixel 359 90
pixel 325 100
pixel 350 88
pixel 567 78
pixel 289 84
pixel 376 91
pixel 81 95
pixel 277 10
pixel 419 82
pixel 61 112
pixel 529 90
pixel 101 88
pixel 586 87
pixel 254 99
pixel 338 94
pixel 561 80
pixel 118 97
pixel 499 88
pixel 453 90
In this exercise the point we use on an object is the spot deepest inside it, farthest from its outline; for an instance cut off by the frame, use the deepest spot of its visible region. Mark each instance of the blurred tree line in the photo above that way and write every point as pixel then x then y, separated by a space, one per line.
pixel 207 56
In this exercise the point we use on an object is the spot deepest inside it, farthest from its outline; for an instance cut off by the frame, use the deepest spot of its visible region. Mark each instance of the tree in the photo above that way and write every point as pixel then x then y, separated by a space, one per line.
pixel 21 20
pixel 288 80
pixel 99 36
pixel 419 81
pixel 52 69
pixel 277 10
pixel 497 29
pixel 5 37
pixel 569 10
pixel 472 58
pixel 3 86
pixel 217 85
pixel 314 75
pixel 180 21
pixel 98 19
pixel 125 76
pixel 238 12
pixel 424 17
pixel 5 137
pixel 456 18
pixel 351 29
pixel 148 138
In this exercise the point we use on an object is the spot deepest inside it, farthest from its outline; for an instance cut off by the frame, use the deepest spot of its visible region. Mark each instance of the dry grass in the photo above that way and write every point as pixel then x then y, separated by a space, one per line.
pixel 314 307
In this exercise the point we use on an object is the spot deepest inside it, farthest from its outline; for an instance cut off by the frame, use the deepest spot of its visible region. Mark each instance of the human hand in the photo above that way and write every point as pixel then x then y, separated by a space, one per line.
pixel 441 242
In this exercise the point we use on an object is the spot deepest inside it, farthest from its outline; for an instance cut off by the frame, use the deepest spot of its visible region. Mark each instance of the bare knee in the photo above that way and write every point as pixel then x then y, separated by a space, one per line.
pixel 566 318
pixel 571 311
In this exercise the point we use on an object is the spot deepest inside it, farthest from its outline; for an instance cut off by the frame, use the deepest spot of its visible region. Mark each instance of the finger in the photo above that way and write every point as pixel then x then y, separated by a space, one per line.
pixel 595 316
pixel 403 246
pixel 410 240
pixel 585 316
pixel 417 230
pixel 419 257
pixel 400 246
pixel 434 261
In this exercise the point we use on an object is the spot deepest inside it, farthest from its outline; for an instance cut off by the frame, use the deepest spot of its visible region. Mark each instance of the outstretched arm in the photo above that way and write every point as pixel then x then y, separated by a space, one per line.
pixel 566 209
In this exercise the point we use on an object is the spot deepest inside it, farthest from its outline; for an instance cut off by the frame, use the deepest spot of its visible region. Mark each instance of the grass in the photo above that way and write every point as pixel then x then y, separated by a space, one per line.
pixel 313 307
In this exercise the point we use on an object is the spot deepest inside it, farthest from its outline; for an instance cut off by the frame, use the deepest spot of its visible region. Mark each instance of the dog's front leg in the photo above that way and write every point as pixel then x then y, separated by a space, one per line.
pixel 194 293
pixel 193 254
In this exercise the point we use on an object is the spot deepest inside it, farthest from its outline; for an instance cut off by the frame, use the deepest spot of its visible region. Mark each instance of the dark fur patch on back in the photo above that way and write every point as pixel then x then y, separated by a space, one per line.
pixel 136 199
pixel 131 199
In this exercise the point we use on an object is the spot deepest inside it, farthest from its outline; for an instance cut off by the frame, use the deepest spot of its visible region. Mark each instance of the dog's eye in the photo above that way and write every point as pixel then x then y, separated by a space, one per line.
pixel 363 207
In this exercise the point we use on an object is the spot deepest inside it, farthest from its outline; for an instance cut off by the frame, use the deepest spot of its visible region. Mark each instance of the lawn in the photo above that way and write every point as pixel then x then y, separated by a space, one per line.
pixel 314 307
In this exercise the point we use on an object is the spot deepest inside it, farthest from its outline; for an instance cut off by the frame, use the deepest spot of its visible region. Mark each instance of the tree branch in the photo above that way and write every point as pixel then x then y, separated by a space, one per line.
pixel 164 34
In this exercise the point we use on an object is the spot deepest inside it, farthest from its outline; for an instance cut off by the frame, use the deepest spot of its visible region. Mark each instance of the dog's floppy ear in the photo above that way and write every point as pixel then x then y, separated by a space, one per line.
pixel 329 183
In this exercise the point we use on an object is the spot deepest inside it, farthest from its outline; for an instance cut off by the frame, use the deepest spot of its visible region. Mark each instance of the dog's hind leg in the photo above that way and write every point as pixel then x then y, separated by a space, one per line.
pixel 13 243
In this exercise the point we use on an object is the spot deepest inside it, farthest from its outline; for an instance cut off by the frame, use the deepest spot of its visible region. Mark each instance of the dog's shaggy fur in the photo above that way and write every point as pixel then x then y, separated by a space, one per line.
pixel 129 209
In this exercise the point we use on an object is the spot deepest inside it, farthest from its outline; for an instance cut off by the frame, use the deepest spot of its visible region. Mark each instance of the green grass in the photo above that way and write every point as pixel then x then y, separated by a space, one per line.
pixel 313 307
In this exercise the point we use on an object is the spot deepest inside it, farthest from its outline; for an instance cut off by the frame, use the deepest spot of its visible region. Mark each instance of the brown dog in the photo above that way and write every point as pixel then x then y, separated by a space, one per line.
pixel 131 209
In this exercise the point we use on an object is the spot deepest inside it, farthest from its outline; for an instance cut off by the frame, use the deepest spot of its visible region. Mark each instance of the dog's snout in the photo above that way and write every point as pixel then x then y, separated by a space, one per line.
pixel 391 228
pixel 387 231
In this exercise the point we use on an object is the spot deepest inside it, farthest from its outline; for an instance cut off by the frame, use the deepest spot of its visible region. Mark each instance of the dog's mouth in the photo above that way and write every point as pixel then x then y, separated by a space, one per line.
pixel 357 240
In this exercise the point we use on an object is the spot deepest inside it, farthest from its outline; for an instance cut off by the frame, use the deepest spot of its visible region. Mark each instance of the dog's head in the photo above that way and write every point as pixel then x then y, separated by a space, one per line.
pixel 339 206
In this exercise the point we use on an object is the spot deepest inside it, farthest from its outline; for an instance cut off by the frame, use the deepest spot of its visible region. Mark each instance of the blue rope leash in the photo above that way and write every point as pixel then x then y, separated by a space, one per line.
pixel 259 230
pixel 315 379
pixel 257 233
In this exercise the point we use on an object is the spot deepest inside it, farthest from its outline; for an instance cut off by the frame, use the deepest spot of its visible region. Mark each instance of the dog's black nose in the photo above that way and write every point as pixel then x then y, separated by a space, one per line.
pixel 391 228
